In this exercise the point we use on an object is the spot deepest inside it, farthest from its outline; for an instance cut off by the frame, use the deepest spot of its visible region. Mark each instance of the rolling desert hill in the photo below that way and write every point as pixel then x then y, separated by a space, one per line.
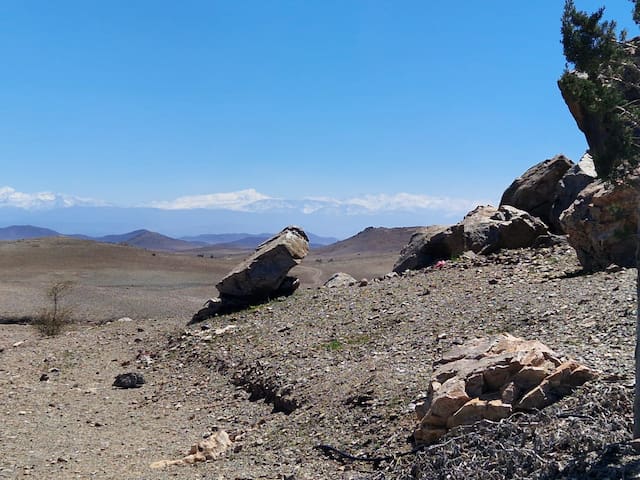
pixel 113 280
pixel 19 232
pixel 339 368
pixel 371 240
pixel 109 280
pixel 150 241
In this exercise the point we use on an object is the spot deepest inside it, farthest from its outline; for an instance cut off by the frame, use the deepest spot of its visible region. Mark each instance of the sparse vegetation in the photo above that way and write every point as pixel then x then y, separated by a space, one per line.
pixel 53 319
pixel 334 345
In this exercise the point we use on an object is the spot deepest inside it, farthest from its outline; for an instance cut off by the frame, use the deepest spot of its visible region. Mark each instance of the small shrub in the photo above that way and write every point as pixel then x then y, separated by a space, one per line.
pixel 51 320
pixel 334 345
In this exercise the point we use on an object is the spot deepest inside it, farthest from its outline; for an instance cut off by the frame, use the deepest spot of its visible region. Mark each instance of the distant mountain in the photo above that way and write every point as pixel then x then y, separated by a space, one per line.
pixel 375 240
pixel 248 240
pixel 226 238
pixel 150 241
pixel 156 241
pixel 97 221
pixel 20 232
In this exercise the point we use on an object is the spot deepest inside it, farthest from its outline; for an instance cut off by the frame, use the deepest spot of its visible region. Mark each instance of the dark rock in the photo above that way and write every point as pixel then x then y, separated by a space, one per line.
pixel 536 190
pixel 129 380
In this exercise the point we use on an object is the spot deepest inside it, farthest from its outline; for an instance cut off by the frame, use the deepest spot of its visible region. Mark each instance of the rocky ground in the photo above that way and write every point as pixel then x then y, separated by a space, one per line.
pixel 338 368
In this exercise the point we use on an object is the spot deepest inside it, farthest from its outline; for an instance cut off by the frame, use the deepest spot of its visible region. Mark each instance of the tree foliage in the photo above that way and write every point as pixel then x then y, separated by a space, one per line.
pixel 604 82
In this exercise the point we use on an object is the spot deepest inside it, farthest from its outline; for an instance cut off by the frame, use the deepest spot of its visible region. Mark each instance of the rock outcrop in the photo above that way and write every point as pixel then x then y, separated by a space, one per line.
pixel 536 190
pixel 491 378
pixel 484 230
pixel 571 184
pixel 602 223
pixel 340 279
pixel 261 276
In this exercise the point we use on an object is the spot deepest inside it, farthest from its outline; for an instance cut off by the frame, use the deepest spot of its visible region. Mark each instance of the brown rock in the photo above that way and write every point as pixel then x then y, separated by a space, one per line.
pixel 603 222
pixel 476 410
pixel 488 378
pixel 446 400
pixel 208 449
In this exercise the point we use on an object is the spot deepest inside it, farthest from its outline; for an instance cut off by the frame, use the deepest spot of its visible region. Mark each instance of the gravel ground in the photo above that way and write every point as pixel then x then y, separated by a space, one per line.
pixel 340 367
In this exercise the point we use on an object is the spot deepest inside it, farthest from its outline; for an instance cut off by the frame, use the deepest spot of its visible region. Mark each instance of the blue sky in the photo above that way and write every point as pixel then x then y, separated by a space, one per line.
pixel 426 105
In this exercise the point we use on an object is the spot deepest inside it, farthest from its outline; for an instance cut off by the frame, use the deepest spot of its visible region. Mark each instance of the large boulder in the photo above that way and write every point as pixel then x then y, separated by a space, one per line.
pixel 602 224
pixel 490 378
pixel 412 255
pixel 263 273
pixel 571 184
pixel 484 230
pixel 261 276
pixel 536 190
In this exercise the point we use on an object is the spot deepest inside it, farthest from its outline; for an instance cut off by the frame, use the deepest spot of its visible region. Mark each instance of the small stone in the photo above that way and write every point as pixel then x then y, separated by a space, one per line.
pixel 129 380
pixel 44 377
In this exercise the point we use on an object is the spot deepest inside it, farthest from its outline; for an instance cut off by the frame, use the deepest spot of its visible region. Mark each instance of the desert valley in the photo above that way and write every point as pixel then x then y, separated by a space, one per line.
pixel 327 382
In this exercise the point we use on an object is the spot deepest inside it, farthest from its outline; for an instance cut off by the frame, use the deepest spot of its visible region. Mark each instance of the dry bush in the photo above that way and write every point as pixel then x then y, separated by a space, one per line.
pixel 53 319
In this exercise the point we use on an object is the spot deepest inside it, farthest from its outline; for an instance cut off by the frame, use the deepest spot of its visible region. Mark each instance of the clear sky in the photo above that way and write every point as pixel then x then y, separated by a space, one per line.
pixel 141 103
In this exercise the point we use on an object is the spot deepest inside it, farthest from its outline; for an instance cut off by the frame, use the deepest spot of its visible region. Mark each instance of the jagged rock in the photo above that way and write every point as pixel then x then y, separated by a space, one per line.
pixel 484 230
pixel 536 190
pixel 571 184
pixel 261 276
pixel 602 223
pixel 263 273
pixel 340 279
pixel 489 378
pixel 129 380
pixel 208 449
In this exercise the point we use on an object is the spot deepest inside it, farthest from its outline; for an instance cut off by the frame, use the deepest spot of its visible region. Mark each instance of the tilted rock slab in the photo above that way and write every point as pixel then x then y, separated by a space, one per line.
pixel 263 273
pixel 484 230
pixel 490 378
pixel 602 223
pixel 261 276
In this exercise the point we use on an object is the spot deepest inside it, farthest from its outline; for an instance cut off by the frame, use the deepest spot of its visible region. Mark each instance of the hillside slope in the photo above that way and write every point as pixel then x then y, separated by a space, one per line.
pixel 340 367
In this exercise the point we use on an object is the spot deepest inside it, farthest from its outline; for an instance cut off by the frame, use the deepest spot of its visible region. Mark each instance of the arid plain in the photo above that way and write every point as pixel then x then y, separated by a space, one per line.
pixel 341 366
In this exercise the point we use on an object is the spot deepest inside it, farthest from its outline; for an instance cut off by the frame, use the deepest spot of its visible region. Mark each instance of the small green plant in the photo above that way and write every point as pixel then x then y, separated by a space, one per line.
pixel 334 345
pixel 51 320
